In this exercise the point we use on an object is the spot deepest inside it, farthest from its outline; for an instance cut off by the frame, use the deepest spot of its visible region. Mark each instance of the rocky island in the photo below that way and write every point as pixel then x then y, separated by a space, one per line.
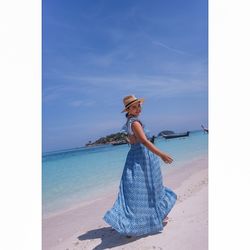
pixel 113 139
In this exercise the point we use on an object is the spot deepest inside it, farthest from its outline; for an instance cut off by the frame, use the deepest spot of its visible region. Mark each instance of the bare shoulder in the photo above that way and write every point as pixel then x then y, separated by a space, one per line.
pixel 136 125
pixel 138 130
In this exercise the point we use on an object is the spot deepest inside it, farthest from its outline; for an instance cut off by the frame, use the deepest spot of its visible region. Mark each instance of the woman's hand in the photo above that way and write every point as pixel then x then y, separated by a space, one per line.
pixel 166 158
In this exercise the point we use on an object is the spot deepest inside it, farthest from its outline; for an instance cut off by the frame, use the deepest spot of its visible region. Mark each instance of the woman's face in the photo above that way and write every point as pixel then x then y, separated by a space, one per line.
pixel 135 109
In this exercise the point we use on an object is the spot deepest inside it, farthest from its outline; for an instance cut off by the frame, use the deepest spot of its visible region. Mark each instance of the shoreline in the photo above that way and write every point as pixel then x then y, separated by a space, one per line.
pixel 96 196
pixel 82 227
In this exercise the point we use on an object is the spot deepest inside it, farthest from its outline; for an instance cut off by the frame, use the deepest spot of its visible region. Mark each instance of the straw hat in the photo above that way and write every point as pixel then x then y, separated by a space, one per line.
pixel 129 100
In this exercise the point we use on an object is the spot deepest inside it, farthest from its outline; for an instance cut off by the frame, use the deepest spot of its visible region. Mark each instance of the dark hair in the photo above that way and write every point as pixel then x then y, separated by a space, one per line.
pixel 126 115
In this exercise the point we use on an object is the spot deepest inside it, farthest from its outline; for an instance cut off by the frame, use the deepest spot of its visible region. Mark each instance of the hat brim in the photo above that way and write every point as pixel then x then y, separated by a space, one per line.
pixel 141 100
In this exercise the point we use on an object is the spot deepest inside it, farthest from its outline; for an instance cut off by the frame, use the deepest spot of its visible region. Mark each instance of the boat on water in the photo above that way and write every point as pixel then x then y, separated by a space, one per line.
pixel 171 134
pixel 205 130
pixel 152 139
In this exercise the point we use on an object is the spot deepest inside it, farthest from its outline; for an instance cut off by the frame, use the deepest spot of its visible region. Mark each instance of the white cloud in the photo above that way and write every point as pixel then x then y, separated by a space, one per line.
pixel 175 79
pixel 150 85
pixel 170 48
pixel 78 103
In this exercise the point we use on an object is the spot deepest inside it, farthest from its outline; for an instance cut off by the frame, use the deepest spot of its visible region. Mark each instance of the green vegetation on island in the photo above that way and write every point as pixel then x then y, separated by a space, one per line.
pixel 114 139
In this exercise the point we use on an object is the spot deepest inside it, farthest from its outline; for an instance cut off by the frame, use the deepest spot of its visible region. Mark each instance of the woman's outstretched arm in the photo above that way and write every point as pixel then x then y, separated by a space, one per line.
pixel 139 133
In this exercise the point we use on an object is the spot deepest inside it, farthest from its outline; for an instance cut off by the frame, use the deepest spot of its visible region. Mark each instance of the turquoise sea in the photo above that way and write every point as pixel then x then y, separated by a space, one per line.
pixel 75 176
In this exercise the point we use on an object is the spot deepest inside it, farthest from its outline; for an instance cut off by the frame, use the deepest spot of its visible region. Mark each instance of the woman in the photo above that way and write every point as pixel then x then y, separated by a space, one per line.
pixel 143 202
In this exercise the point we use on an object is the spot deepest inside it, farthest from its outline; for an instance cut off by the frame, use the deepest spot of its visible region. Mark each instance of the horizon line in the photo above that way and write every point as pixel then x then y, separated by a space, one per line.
pixel 79 147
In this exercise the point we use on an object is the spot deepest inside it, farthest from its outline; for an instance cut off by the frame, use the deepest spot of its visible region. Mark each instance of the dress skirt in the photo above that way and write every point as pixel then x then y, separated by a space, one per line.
pixel 143 202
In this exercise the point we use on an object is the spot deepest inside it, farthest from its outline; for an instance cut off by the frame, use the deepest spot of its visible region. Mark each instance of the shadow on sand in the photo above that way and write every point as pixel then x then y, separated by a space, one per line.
pixel 110 238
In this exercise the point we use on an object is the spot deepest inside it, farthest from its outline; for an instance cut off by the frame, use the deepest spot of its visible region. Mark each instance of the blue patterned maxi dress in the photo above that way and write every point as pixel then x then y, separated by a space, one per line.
pixel 143 202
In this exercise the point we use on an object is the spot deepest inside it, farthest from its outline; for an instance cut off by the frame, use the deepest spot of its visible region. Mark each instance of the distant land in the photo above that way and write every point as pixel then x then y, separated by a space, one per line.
pixel 121 138
pixel 113 139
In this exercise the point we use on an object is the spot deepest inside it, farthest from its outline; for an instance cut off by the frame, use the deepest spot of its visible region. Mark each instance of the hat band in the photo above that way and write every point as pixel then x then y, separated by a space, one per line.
pixel 131 103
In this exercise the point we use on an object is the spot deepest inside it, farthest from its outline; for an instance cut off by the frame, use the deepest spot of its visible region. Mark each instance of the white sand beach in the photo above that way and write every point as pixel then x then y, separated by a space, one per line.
pixel 187 227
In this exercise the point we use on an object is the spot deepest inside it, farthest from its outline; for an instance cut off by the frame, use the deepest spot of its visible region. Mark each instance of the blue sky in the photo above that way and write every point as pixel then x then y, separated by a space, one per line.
pixel 96 52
